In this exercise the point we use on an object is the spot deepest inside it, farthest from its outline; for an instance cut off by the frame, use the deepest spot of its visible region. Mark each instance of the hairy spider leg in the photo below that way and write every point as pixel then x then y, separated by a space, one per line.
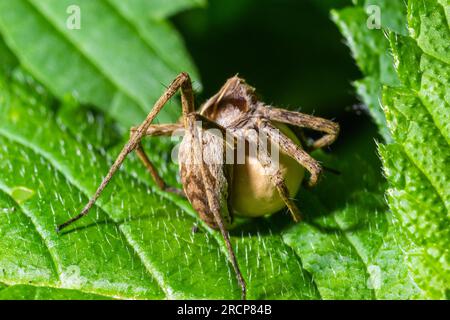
pixel 214 204
pixel 330 128
pixel 157 130
pixel 294 151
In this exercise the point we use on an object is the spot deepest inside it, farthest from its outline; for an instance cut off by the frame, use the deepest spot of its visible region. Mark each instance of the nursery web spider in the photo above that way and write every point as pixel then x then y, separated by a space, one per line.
pixel 235 108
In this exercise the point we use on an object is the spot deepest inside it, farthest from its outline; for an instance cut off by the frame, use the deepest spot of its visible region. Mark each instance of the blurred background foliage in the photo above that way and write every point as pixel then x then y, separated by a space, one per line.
pixel 289 50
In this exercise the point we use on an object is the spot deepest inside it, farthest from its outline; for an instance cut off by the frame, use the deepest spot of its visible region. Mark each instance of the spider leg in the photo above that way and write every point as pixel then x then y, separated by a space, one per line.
pixel 214 202
pixel 330 128
pixel 293 150
pixel 278 181
pixel 182 82
pixel 284 193
pixel 157 130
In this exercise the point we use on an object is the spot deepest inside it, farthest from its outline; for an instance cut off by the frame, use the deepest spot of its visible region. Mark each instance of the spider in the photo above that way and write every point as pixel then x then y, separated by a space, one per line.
pixel 207 183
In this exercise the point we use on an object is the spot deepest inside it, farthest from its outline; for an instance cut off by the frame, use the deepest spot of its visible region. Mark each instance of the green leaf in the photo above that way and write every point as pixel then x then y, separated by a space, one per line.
pixel 89 63
pixel 429 25
pixel 158 9
pixel 137 243
pixel 425 231
pixel 7 60
pixel 417 109
pixel 29 292
pixel 370 50
pixel 350 244
pixel 417 164
pixel 393 14
pixel 417 168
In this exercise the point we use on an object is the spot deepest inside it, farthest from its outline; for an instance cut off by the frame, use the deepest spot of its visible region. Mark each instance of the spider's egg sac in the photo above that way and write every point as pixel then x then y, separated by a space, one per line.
pixel 253 193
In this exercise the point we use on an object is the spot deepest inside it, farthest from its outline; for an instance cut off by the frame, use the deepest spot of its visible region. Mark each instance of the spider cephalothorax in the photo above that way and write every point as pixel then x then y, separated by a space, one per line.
pixel 233 106
pixel 212 183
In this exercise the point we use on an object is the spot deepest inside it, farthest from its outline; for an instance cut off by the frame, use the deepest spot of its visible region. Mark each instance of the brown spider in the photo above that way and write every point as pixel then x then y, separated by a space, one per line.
pixel 207 183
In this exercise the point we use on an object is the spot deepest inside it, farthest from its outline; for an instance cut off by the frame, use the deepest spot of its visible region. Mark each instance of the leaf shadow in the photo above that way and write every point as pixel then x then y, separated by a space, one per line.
pixel 104 222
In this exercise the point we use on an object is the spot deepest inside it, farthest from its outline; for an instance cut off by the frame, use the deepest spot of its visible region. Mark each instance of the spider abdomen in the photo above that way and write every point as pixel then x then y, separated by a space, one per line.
pixel 202 168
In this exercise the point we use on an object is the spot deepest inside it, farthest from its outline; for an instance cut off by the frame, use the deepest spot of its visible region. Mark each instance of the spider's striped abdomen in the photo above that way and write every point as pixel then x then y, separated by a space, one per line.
pixel 215 176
